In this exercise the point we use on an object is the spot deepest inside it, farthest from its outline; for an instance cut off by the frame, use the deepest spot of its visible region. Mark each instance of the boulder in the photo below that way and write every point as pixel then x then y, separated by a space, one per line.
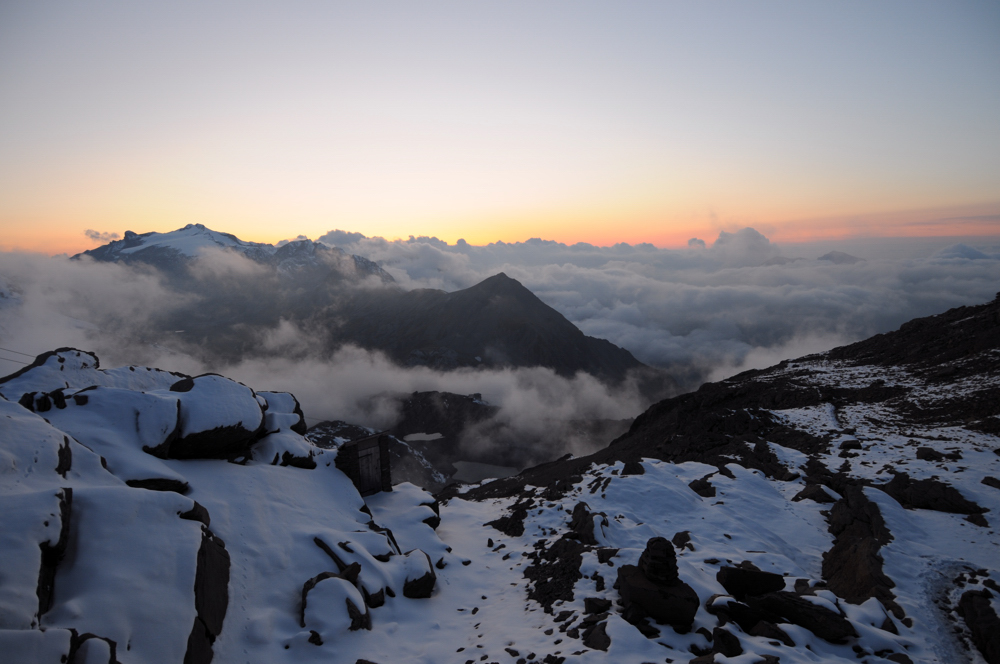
pixel 928 494
pixel 815 493
pixel 726 643
pixel 219 418
pixel 420 577
pixel 822 622
pixel 654 588
pixel 582 523
pixel 740 582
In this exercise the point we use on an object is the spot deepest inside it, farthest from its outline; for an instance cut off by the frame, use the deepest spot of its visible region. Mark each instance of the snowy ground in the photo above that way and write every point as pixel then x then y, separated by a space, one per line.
pixel 129 565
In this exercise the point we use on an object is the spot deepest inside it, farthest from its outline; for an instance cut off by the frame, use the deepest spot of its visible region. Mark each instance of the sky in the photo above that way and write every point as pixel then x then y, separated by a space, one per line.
pixel 576 122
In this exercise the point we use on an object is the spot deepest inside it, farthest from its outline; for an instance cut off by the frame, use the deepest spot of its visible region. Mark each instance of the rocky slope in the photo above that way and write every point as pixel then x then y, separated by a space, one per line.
pixel 865 477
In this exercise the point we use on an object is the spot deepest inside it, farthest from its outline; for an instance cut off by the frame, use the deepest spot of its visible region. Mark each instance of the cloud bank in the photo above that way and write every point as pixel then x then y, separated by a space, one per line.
pixel 708 310
pixel 702 313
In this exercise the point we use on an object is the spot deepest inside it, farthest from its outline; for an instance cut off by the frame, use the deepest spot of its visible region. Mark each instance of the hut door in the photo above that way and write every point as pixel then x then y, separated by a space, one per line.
pixel 370 470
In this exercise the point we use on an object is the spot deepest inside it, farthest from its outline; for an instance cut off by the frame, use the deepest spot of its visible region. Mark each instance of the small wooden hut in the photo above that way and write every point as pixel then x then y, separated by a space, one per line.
pixel 366 462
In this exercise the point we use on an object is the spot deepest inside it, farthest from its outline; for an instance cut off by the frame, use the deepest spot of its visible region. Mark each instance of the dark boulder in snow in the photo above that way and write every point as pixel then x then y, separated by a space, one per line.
pixel 819 620
pixel 726 643
pixel 703 487
pixel 815 493
pixel 928 494
pixel 582 523
pixel 596 636
pixel 655 588
pixel 740 582
pixel 218 418
pixel 984 624
pixel 658 562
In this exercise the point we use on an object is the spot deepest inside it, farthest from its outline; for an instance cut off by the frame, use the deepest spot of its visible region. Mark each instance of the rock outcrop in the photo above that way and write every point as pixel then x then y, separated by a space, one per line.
pixel 653 589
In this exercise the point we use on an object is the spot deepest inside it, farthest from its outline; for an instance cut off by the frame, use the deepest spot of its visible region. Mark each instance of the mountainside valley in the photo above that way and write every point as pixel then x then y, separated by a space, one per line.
pixel 836 507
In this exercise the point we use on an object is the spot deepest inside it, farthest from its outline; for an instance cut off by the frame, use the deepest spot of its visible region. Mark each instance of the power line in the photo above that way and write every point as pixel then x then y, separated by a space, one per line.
pixel 15 361
pixel 16 352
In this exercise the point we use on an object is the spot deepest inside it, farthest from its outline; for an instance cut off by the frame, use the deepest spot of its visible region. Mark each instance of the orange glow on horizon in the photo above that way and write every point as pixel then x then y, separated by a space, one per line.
pixel 600 228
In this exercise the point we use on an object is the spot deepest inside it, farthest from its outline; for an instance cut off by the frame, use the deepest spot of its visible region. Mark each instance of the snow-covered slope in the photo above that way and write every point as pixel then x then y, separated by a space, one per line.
pixel 126 538
pixel 837 508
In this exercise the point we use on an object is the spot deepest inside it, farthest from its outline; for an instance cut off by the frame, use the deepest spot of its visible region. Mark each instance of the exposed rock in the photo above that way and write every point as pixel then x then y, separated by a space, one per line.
pixel 703 487
pixel 420 577
pixel 197 513
pixel 554 571
pixel 929 454
pixel 52 554
pixel 769 630
pixel 160 484
pixel 596 637
pixel 928 494
pixel 682 540
pixel 726 643
pixel 654 587
pixel 983 622
pixel 218 418
pixel 582 523
pixel 740 582
pixel 853 567
pixel 819 620
pixel 658 562
pixel 633 468
pixel 512 524
pixel 815 493
pixel 991 481
pixel 596 605
pixel 211 595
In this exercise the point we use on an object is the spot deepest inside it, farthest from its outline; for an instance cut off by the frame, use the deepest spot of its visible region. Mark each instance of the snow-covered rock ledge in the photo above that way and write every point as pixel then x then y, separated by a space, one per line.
pixel 147 516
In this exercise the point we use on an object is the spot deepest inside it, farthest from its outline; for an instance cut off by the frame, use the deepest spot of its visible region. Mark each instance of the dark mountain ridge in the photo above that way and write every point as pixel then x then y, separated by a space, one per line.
pixel 498 322
pixel 338 299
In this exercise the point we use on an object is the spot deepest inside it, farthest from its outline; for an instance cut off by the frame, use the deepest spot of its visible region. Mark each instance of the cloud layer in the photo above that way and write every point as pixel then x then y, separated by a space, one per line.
pixel 710 309
pixel 703 312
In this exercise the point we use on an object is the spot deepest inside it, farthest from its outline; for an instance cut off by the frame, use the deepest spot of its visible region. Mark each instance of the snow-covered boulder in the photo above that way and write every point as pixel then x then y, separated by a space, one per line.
pixel 218 418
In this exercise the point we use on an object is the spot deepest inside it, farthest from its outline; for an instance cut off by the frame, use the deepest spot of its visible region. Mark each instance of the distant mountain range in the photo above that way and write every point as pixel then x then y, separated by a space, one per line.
pixel 351 300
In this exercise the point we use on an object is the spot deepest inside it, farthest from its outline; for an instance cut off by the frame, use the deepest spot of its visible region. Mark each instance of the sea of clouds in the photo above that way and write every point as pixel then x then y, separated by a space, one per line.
pixel 703 312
